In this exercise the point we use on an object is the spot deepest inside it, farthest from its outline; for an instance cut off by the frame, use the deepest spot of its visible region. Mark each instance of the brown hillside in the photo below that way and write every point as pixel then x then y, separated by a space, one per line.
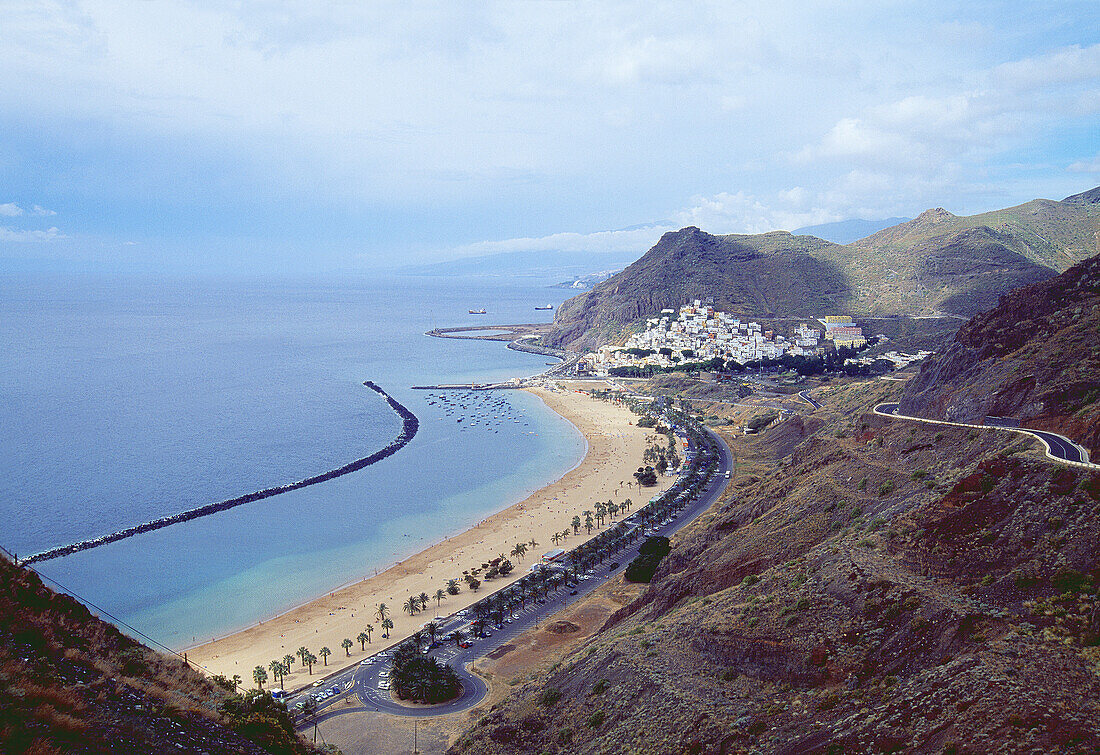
pixel 898 589
pixel 773 274
pixel 1035 357
pixel 72 683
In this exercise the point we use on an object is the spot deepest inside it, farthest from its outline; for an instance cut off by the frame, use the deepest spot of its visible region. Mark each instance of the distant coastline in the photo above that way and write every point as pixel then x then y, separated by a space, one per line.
pixel 409 426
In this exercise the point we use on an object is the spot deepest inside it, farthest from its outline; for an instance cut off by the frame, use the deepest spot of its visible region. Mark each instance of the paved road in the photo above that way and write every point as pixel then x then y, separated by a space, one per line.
pixel 364 679
pixel 805 396
pixel 1058 446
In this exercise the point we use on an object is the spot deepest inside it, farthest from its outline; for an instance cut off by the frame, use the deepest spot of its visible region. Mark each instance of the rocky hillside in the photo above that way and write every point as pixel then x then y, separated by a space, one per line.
pixel 869 585
pixel 937 262
pixel 773 274
pixel 1035 357
pixel 72 683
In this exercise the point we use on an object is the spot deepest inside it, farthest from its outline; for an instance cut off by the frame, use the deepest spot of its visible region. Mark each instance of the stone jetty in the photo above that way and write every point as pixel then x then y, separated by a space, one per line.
pixel 409 425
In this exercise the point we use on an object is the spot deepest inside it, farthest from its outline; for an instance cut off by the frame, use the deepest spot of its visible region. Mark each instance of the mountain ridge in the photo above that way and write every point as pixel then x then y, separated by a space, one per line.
pixel 938 263
pixel 1035 357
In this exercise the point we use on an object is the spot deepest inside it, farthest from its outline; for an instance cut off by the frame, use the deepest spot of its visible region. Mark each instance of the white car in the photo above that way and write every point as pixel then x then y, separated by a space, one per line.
pixel 366 662
pixel 383 685
pixel 383 674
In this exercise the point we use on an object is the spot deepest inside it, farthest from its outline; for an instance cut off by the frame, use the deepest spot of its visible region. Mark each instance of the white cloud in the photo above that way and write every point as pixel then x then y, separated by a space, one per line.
pixel 18 236
pixel 12 210
pixel 1091 165
pixel 634 239
pixel 744 213
pixel 1068 65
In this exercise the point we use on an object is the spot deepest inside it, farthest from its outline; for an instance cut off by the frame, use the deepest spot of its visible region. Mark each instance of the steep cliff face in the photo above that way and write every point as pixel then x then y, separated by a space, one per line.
pixel 1035 357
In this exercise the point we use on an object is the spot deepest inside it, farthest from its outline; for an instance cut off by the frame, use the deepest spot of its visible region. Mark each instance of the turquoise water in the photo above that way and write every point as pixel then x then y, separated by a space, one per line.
pixel 126 399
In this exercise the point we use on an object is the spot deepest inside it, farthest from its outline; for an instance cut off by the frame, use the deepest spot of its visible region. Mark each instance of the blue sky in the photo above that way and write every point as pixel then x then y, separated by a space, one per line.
pixel 307 136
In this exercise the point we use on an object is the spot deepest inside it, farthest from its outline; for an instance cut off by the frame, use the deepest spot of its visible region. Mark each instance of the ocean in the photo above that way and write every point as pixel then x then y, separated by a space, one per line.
pixel 125 398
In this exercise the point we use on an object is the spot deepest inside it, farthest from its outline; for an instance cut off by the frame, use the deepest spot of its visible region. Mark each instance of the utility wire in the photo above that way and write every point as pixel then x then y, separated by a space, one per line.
pixel 113 618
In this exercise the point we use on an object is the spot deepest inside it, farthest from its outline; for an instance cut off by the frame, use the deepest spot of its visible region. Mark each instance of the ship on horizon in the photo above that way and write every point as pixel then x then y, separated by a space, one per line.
pixel 476 311
pixel 548 306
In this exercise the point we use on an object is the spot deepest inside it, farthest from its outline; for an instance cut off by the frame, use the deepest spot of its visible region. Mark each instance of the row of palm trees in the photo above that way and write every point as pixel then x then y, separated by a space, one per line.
pixel 540 582
pixel 537 584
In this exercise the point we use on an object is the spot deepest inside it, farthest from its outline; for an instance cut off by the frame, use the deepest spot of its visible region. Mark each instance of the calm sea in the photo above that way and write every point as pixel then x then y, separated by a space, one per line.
pixel 123 399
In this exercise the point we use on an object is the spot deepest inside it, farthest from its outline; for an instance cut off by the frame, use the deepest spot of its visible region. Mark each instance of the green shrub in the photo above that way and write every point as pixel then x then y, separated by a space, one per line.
pixel 750 580
pixel 599 687
pixel 595 720
pixel 862 484
pixel 549 696
pixel 918 474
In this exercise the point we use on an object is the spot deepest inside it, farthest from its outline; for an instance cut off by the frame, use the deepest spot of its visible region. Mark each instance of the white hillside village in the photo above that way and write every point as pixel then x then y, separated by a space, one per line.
pixel 698 333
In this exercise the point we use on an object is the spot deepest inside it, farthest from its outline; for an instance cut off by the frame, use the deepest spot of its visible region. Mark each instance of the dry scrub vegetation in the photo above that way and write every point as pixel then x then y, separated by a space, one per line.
pixel 866 585
pixel 72 683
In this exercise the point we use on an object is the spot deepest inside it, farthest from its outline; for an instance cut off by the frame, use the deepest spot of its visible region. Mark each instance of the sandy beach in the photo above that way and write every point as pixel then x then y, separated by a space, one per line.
pixel 615 448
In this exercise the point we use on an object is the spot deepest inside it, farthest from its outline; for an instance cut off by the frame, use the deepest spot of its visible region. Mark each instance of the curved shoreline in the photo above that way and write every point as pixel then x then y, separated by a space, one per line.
pixel 419 548
pixel 409 425
pixel 612 446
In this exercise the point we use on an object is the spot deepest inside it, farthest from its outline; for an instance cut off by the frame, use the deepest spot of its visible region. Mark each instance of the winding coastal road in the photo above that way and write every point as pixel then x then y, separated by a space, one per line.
pixel 1059 447
pixel 367 680
pixel 805 396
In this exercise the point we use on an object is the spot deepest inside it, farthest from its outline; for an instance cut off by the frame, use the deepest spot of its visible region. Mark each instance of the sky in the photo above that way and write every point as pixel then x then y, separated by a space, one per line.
pixel 298 137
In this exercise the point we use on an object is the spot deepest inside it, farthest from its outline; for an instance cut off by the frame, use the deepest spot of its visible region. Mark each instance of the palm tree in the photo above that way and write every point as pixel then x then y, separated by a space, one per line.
pixel 533 543
pixel 576 524
pixel 411 606
pixel 347 645
pixel 452 587
pixel 259 675
pixel 387 625
pixel 310 660
pixel 236 679
pixel 287 661
pixel 382 611
pixel 303 653
pixel 565 534
pixel 424 600
pixel 459 636
pixel 627 504
pixel 613 509
pixel 276 670
pixel 519 551
pixel 369 629
pixel 588 521
pixel 325 653
pixel 362 639
pixel 440 594
pixel 555 538
pixel 431 629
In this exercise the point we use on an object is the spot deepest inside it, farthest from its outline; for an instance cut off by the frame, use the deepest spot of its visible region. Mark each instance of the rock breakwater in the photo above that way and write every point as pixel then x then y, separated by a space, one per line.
pixel 409 425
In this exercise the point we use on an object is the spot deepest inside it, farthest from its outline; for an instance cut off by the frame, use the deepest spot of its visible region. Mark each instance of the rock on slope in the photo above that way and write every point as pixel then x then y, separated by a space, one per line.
pixel 1035 357
pixel 867 586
